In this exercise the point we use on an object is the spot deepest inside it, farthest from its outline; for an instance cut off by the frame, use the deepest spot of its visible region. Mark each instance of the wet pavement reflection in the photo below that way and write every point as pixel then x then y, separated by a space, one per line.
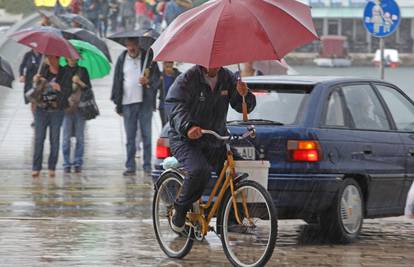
pixel 100 218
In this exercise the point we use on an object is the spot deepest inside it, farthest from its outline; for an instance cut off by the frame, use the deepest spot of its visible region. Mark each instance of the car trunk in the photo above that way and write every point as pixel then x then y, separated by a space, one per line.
pixel 270 144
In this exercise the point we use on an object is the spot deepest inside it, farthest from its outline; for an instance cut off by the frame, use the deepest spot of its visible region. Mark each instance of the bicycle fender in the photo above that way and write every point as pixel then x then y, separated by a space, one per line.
pixel 172 170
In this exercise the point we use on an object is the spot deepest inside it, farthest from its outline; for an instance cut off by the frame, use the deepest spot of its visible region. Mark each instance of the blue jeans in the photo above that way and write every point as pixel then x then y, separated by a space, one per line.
pixel 133 114
pixel 44 119
pixel 73 125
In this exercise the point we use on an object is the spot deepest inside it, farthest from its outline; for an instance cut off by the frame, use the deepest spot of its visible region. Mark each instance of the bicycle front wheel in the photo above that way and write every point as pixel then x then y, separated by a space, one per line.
pixel 175 245
pixel 249 242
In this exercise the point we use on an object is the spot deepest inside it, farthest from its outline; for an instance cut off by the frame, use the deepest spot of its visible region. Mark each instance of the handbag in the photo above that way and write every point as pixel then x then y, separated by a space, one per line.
pixel 87 105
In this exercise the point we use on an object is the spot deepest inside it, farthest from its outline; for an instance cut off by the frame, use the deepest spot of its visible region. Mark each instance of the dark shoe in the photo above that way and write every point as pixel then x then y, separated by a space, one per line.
pixel 78 169
pixel 129 173
pixel 66 170
pixel 178 222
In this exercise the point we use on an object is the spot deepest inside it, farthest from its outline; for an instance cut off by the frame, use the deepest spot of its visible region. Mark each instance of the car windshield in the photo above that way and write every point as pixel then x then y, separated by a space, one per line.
pixel 283 107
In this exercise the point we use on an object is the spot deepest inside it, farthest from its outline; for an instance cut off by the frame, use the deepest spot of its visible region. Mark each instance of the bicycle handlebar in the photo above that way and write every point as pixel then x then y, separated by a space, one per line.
pixel 251 132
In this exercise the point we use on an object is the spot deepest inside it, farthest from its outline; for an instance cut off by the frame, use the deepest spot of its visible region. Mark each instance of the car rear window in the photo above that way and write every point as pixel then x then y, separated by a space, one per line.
pixel 276 103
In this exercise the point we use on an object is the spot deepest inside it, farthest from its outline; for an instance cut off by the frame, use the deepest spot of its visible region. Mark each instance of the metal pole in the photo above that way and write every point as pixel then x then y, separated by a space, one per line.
pixel 244 104
pixel 382 71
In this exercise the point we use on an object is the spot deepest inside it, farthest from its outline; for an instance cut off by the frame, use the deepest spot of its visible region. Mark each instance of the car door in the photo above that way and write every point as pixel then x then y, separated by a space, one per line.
pixel 402 112
pixel 378 147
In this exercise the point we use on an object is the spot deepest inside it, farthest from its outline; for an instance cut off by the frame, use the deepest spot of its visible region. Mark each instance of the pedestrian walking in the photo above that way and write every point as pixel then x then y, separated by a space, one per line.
pixel 103 11
pixel 200 99
pixel 28 68
pixel 159 14
pixel 141 13
pixel 76 6
pixel 174 8
pixel 133 92
pixel 75 79
pixel 50 100
pixel 92 12
pixel 114 14
pixel 127 13
pixel 168 76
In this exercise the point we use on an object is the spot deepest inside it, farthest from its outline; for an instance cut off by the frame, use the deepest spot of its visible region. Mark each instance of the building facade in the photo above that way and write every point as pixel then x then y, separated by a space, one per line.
pixel 345 17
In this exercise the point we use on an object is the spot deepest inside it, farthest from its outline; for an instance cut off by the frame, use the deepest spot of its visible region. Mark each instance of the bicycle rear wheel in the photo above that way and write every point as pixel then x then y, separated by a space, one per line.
pixel 174 245
pixel 250 243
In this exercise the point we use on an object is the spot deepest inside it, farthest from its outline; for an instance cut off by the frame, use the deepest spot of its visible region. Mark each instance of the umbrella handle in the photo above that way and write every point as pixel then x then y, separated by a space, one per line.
pixel 244 108
pixel 41 63
pixel 244 104
pixel 145 63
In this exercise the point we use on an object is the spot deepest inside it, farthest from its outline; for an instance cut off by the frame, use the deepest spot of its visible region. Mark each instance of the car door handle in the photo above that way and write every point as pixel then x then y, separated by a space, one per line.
pixel 411 152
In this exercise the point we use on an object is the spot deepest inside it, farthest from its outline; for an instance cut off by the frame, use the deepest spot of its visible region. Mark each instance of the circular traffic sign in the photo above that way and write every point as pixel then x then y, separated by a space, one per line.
pixel 381 17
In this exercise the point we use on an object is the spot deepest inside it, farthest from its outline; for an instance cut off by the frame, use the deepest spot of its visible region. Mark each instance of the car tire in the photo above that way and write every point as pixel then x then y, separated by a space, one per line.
pixel 342 222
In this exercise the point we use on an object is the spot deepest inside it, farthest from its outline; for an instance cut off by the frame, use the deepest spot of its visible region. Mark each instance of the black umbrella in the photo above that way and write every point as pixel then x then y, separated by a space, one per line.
pixel 89 37
pixel 54 19
pixel 146 37
pixel 78 19
pixel 6 73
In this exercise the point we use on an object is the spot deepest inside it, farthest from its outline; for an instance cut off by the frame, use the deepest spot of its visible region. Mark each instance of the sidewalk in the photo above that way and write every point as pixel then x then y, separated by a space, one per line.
pixel 104 136
pixel 99 192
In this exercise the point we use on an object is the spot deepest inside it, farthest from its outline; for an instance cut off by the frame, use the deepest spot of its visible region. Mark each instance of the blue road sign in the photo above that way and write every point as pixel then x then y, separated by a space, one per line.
pixel 381 17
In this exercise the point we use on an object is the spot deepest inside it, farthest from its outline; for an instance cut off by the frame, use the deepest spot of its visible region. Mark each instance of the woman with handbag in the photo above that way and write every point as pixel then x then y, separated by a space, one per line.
pixel 76 79
pixel 49 99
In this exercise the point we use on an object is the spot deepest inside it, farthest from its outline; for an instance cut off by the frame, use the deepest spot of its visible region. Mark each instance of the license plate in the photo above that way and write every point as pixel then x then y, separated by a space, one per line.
pixel 247 152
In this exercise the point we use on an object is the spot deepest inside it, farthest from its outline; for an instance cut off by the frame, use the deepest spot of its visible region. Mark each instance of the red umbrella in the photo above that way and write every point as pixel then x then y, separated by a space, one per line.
pixel 46 41
pixel 224 32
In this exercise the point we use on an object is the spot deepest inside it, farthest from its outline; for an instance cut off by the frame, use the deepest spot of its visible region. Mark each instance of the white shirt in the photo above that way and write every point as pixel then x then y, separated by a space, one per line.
pixel 132 88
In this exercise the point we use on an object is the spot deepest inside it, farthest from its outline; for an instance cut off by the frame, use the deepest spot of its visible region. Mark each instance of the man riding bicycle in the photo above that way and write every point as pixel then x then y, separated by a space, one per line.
pixel 199 99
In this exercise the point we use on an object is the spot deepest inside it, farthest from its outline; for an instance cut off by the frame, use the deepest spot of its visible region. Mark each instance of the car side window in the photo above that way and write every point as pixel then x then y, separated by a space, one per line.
pixel 402 110
pixel 334 110
pixel 366 109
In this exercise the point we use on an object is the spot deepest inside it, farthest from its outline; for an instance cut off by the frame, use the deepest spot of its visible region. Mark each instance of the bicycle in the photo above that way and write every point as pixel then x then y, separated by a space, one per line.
pixel 246 222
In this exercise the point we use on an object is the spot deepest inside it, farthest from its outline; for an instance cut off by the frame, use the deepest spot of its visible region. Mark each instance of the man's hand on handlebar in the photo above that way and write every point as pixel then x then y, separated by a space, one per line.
pixel 194 133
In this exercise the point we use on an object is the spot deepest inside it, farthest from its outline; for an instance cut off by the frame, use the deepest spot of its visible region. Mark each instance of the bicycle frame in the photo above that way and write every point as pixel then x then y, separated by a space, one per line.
pixel 228 182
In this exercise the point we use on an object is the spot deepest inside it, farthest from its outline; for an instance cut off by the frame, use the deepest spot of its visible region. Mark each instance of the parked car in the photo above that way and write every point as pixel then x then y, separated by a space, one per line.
pixel 340 149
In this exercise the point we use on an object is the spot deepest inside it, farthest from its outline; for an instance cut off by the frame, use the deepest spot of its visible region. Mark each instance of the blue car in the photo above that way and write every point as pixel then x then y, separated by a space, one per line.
pixel 340 149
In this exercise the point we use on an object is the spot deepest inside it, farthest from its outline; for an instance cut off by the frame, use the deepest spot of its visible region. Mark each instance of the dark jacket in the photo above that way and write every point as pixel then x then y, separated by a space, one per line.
pixel 193 103
pixel 44 96
pixel 149 94
pixel 28 68
pixel 163 93
pixel 64 79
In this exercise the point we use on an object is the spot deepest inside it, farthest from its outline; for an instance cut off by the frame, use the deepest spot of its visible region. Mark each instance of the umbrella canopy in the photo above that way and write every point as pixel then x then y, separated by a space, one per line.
pixel 81 21
pixel 225 32
pixel 54 19
pixel 89 37
pixel 40 28
pixel 146 37
pixel 6 73
pixel 46 41
pixel 92 59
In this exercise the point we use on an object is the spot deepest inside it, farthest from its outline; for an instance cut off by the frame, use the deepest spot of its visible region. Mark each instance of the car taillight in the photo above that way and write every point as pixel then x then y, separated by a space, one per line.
pixel 306 151
pixel 163 148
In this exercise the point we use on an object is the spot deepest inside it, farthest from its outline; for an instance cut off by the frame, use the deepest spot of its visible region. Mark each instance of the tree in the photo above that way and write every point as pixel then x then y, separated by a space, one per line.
pixel 17 6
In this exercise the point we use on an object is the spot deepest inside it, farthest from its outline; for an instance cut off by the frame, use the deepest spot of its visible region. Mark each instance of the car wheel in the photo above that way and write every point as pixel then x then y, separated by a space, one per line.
pixel 343 221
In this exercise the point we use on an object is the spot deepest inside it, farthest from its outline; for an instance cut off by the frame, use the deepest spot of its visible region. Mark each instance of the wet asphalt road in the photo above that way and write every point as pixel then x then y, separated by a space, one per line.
pixel 100 218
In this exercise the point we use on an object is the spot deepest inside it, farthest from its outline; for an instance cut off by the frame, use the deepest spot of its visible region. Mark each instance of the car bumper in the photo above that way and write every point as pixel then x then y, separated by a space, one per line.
pixel 297 196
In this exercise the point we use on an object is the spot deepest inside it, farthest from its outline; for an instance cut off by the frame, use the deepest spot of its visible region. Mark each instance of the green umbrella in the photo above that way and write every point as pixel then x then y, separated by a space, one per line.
pixel 96 63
